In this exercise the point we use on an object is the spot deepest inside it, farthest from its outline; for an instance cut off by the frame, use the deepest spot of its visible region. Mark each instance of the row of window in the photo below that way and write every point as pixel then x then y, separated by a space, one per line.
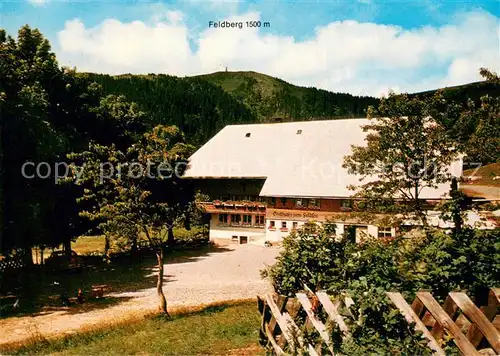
pixel 301 202
pixel 272 224
pixel 259 220
pixel 382 231
pixel 241 198
pixel 237 219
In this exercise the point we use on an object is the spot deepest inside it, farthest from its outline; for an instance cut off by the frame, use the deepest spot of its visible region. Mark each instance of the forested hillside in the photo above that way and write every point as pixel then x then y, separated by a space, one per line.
pixel 462 93
pixel 272 97
pixel 199 108
pixel 203 105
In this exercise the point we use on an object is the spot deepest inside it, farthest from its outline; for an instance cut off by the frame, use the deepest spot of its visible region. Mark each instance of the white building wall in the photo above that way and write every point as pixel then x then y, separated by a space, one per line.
pixel 227 232
pixel 372 230
pixel 278 235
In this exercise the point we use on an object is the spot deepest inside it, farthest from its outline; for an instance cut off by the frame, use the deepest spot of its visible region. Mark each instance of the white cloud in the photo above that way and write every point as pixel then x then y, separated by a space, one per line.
pixel 231 6
pixel 38 2
pixel 162 13
pixel 346 56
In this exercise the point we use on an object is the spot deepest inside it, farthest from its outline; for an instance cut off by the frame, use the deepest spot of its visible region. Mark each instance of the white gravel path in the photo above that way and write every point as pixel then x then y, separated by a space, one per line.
pixel 219 276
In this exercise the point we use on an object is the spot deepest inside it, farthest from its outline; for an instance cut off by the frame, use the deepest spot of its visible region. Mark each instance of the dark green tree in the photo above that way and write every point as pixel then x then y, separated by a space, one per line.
pixel 139 189
pixel 27 71
pixel 407 150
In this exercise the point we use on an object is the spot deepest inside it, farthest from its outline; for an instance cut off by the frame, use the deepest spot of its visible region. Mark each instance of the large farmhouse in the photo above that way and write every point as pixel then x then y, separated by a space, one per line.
pixel 266 179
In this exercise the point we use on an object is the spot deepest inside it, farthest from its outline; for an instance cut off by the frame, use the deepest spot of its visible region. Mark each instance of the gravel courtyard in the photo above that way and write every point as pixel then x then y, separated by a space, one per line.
pixel 230 274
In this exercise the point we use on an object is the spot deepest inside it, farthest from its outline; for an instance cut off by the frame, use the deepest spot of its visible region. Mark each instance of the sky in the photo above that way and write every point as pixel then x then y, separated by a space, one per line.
pixel 362 47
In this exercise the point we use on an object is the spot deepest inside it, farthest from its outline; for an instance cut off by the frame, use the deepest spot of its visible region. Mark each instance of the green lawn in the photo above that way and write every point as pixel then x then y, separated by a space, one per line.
pixel 226 329
pixel 43 289
pixel 88 244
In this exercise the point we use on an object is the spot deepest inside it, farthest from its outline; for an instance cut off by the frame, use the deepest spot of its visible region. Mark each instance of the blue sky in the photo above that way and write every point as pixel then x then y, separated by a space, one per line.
pixel 364 46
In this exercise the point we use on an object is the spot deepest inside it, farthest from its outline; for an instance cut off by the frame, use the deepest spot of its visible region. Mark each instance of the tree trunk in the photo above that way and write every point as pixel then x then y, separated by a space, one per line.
pixel 170 238
pixel 106 248
pixel 159 284
pixel 134 248
pixel 67 247
pixel 418 210
pixel 42 249
pixel 28 256
pixel 457 206
pixel 187 221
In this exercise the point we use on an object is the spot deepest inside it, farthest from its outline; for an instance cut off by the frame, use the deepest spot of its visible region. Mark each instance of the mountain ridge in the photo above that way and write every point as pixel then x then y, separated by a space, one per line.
pixel 202 105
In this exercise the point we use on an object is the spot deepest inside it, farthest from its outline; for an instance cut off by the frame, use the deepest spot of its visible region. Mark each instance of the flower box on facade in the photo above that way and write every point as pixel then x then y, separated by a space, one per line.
pixel 284 229
pixel 271 228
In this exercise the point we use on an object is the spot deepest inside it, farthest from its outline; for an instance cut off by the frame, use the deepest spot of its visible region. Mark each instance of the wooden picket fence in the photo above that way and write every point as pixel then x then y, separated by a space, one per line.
pixel 7 265
pixel 475 330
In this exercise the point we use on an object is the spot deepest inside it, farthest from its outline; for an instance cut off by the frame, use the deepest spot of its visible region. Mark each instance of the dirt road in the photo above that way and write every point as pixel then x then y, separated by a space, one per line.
pixel 229 275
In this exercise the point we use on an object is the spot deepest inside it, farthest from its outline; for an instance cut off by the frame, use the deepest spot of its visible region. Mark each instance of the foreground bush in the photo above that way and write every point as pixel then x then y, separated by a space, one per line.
pixel 468 261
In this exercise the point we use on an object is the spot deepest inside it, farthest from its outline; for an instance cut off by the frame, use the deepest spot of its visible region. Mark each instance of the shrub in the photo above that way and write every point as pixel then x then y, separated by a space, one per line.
pixel 437 262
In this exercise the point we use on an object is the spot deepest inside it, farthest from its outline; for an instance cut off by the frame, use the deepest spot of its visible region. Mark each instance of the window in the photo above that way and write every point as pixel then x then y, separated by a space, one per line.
pixel 273 201
pixel 222 219
pixel 299 132
pixel 283 201
pixel 298 202
pixel 247 134
pixel 247 219
pixel 235 219
pixel 314 203
pixel 295 225
pixel 259 220
pixel 283 224
pixel 272 223
pixel 345 204
pixel 234 238
pixel 243 239
pixel 350 233
pixel 384 232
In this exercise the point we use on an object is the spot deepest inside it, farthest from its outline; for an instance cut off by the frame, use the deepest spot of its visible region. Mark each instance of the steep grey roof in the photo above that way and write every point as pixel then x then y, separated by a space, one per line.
pixel 297 159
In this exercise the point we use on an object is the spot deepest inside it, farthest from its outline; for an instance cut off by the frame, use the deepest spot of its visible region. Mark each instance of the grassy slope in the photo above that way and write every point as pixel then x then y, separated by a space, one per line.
pixel 250 86
pixel 231 82
pixel 272 97
pixel 216 330
pixel 266 85
pixel 256 90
